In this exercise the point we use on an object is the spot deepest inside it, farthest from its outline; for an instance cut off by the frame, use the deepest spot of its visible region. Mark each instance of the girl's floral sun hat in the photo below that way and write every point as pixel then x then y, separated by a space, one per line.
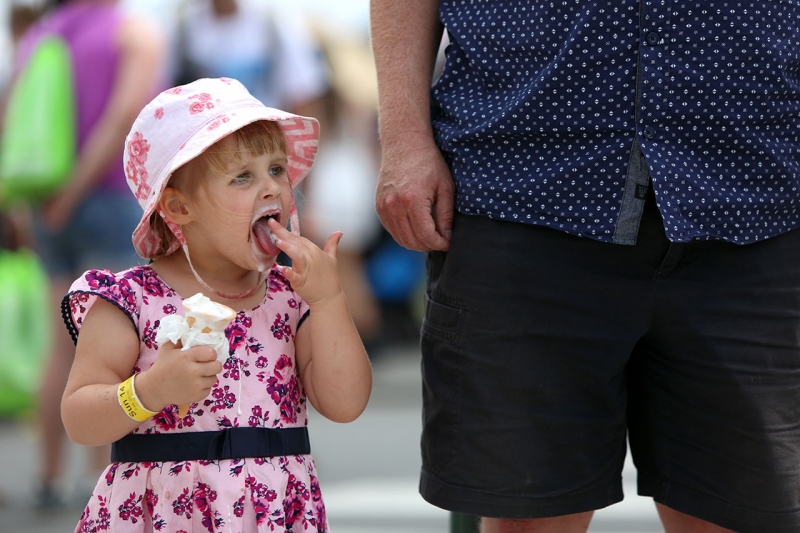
pixel 182 122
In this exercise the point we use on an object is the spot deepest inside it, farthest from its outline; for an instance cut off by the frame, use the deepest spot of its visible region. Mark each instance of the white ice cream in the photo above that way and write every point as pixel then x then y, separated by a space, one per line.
pixel 204 325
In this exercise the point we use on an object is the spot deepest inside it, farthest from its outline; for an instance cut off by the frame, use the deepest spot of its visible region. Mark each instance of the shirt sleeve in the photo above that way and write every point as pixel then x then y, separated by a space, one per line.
pixel 113 288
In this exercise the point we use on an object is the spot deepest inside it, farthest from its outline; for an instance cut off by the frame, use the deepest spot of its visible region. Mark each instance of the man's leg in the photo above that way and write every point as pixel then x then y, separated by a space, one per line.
pixel 677 522
pixel 673 521
pixel 574 523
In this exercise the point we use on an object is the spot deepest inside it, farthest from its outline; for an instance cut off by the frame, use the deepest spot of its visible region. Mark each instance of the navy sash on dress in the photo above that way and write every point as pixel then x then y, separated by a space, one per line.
pixel 231 443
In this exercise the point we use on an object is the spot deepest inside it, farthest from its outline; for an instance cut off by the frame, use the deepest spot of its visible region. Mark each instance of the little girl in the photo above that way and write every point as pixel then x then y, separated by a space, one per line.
pixel 214 170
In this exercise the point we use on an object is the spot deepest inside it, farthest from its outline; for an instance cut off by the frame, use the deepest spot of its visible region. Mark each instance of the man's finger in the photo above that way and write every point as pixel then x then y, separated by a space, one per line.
pixel 400 229
pixel 425 229
pixel 443 213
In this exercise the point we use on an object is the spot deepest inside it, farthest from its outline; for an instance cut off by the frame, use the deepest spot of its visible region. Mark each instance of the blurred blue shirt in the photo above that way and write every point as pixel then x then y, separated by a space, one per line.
pixel 542 107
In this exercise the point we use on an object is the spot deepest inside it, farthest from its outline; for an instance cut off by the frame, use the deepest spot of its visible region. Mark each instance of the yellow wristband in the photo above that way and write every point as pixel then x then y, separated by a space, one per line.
pixel 130 402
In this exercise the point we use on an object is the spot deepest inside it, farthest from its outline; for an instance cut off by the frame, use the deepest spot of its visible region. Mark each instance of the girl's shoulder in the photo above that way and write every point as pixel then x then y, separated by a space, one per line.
pixel 129 291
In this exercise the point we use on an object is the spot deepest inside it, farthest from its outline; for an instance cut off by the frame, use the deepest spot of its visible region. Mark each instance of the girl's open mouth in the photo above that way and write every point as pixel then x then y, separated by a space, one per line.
pixel 263 237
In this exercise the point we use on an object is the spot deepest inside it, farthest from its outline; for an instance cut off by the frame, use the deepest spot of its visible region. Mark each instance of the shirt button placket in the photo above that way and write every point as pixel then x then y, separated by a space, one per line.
pixel 652 38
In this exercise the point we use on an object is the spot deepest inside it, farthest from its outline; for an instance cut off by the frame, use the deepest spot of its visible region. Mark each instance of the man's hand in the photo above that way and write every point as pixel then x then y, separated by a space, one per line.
pixel 415 194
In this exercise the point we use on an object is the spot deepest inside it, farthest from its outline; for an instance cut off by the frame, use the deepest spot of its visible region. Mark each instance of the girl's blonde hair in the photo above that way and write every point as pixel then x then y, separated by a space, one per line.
pixel 257 138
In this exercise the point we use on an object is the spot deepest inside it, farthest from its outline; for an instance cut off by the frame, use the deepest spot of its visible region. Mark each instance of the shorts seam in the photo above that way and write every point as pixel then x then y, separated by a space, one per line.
pixel 453 334
pixel 439 297
pixel 430 330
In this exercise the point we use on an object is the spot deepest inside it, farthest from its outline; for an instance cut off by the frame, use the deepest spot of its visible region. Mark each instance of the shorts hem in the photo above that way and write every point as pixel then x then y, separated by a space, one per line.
pixel 475 502
pixel 712 509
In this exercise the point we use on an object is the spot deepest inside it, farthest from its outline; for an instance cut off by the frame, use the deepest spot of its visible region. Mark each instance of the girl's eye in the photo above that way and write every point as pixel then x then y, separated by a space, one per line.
pixel 241 178
pixel 276 170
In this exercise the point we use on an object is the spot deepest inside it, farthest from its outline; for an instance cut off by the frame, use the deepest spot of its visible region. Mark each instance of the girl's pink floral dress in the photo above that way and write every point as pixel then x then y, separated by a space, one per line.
pixel 257 387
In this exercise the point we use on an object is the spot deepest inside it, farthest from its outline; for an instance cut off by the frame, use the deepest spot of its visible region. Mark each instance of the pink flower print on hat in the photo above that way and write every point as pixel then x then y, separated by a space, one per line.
pixel 203 103
pixel 217 123
pixel 135 169
pixel 138 148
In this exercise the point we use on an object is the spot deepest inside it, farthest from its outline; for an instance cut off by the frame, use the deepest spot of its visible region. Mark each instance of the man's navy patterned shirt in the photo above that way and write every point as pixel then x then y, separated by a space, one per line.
pixel 543 108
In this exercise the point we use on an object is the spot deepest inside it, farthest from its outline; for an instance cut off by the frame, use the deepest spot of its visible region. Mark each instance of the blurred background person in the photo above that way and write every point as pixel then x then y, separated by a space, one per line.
pixel 255 42
pixel 15 220
pixel 341 188
pixel 117 63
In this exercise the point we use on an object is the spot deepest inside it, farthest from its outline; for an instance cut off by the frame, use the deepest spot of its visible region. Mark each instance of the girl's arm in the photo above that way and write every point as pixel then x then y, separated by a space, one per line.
pixel 332 363
pixel 106 353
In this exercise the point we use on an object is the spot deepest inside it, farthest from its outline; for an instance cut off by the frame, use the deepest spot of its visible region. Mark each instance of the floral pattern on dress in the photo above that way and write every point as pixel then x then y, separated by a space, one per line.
pixel 258 387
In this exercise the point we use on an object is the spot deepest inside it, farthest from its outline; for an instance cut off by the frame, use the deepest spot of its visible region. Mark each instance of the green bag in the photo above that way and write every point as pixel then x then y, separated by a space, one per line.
pixel 25 329
pixel 38 145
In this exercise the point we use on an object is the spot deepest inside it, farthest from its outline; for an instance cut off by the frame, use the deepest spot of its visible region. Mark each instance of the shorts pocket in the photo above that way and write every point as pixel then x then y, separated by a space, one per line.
pixel 441 320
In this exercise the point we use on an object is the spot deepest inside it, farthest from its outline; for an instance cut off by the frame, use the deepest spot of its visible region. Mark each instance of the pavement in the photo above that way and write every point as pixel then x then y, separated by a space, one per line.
pixel 368 469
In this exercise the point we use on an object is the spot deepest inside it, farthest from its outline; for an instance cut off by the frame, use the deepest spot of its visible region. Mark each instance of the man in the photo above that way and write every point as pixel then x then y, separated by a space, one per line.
pixel 607 191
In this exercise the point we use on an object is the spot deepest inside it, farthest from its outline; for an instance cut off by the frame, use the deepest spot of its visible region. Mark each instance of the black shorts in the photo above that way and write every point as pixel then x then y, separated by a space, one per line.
pixel 542 352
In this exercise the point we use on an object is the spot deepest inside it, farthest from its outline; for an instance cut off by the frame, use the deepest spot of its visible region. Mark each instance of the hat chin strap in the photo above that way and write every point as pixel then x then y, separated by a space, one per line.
pixel 261 277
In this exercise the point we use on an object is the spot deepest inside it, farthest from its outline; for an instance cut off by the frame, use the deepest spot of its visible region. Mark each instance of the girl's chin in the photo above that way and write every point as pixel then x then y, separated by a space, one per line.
pixel 264 262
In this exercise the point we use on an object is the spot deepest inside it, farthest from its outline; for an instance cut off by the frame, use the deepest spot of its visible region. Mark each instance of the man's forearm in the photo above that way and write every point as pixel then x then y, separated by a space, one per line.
pixel 405 40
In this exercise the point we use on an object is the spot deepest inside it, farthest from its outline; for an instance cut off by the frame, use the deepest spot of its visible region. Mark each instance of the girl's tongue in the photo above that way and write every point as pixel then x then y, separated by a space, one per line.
pixel 264 238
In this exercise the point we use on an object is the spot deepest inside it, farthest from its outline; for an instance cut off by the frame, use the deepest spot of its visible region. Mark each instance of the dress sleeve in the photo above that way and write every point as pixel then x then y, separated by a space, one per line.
pixel 296 301
pixel 113 288
pixel 304 311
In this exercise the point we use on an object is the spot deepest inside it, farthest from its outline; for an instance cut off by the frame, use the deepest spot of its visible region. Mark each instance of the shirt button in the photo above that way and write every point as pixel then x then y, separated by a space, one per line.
pixel 653 38
pixel 648 132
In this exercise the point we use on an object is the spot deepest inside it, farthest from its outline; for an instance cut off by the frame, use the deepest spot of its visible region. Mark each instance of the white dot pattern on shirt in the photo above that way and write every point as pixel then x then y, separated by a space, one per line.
pixel 537 110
